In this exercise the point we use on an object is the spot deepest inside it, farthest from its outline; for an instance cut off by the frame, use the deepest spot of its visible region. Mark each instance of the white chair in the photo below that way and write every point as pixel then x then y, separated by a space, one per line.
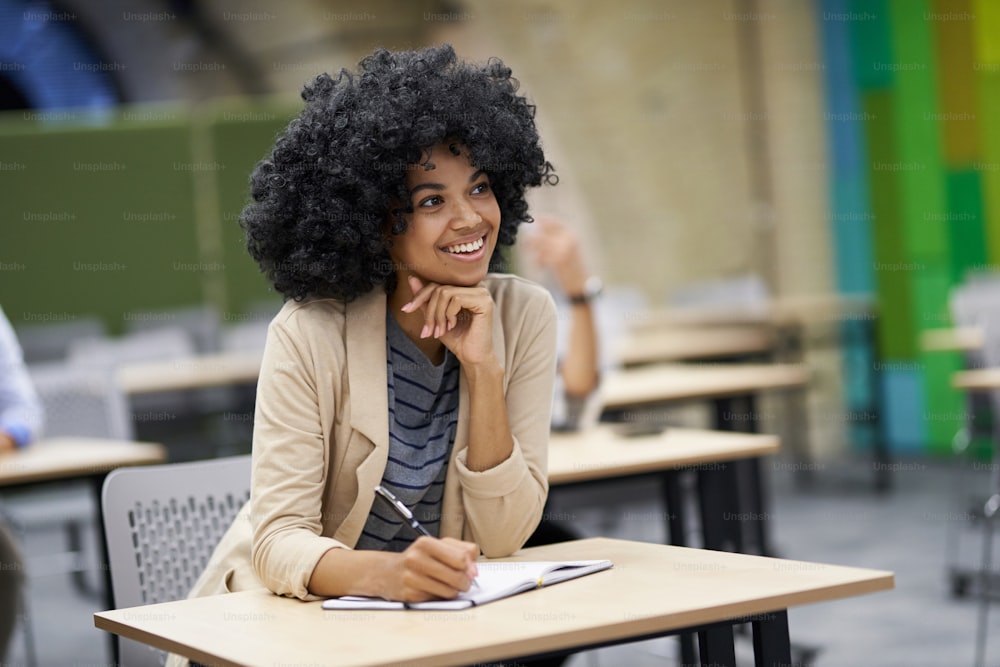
pixel 161 525
pixel 50 341
pixel 991 507
pixel 81 401
pixel 201 323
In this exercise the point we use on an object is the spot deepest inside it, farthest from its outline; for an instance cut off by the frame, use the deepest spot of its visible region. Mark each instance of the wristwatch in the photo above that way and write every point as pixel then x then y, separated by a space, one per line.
pixel 591 289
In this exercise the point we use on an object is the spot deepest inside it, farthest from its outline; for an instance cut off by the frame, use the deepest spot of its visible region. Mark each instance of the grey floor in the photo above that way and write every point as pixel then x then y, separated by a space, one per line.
pixel 837 518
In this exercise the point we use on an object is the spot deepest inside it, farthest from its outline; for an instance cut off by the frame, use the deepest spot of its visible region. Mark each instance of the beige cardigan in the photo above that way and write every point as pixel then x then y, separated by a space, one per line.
pixel 321 440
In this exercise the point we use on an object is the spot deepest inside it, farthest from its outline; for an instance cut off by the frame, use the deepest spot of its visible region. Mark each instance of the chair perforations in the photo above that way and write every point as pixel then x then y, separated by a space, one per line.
pixel 174 539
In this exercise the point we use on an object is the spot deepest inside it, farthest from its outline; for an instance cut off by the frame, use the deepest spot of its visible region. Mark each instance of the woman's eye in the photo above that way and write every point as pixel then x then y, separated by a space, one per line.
pixel 481 188
pixel 430 201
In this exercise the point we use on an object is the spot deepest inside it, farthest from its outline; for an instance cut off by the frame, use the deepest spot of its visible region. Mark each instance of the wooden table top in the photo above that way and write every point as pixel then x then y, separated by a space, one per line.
pixel 62 458
pixel 603 452
pixel 692 343
pixel 208 370
pixel 664 383
pixel 651 588
pixel 980 379
pixel 956 339
pixel 784 311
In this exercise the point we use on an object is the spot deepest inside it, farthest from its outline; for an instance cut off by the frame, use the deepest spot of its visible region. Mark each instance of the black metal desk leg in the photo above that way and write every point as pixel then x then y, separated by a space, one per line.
pixel 720 526
pixel 677 531
pixel 771 645
pixel 748 476
pixel 718 648
pixel 673 501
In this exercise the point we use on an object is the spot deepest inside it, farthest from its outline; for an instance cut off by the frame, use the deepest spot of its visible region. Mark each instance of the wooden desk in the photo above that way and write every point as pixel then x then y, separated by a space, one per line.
pixel 957 339
pixel 693 343
pixel 980 379
pixel 208 370
pixel 669 383
pixel 629 394
pixel 65 458
pixel 781 312
pixel 603 453
pixel 652 590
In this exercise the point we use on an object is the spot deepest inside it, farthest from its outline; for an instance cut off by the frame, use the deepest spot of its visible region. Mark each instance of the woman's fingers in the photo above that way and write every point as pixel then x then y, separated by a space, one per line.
pixel 438 568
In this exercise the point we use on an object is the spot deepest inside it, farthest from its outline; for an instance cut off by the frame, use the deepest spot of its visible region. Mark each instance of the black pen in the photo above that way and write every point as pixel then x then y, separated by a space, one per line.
pixel 402 510
pixel 405 514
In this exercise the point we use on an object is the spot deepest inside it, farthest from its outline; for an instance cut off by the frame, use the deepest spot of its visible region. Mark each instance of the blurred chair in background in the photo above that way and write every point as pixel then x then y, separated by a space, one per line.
pixel 161 416
pixel 51 341
pixel 161 525
pixel 202 324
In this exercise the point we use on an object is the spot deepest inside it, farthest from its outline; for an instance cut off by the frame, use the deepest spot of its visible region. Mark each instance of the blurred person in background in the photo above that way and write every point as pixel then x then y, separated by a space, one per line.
pixel 20 421
pixel 554 247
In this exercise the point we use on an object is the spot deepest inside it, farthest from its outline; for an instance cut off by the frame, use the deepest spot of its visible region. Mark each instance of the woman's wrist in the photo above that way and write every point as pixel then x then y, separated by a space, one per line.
pixel 486 370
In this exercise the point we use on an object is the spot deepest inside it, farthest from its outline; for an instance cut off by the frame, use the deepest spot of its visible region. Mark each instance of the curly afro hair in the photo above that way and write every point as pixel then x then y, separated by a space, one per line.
pixel 329 197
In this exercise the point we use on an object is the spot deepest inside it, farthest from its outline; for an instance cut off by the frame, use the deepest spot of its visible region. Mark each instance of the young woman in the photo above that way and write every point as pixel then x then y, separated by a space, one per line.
pixel 399 358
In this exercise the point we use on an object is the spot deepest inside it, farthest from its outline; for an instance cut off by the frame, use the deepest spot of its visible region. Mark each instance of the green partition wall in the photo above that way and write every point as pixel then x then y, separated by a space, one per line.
pixel 97 220
pixel 135 211
pixel 925 83
pixel 241 134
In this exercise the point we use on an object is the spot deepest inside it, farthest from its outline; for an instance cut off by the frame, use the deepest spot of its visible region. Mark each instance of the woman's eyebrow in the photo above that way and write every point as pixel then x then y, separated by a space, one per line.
pixel 439 186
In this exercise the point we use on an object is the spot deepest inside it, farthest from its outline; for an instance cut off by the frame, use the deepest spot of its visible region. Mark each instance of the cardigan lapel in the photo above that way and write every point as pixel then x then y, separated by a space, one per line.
pixel 366 367
pixel 367 391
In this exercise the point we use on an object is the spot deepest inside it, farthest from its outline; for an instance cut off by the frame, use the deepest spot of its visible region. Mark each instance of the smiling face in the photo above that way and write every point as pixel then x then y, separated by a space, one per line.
pixel 451 234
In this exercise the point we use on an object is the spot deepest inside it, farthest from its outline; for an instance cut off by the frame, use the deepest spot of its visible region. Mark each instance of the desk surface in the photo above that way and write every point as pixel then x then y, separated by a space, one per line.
pixel 208 370
pixel 957 339
pixel 602 452
pixel 981 379
pixel 651 588
pixel 663 383
pixel 61 458
pixel 695 342
pixel 786 311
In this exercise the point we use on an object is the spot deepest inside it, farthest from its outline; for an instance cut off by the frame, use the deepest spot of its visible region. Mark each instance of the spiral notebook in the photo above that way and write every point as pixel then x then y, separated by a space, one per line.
pixel 496 580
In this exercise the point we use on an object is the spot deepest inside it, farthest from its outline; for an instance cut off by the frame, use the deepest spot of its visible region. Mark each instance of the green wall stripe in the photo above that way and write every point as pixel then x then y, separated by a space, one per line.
pixel 892 264
pixel 957 97
pixel 964 218
pixel 989 166
pixel 870 44
pixel 918 133
pixel 987 13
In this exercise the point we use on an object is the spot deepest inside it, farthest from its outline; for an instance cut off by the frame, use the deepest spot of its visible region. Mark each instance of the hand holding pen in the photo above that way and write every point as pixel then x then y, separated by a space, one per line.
pixel 404 513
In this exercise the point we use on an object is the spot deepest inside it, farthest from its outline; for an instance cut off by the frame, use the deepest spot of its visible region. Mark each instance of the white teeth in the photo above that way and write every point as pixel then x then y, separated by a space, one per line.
pixel 466 247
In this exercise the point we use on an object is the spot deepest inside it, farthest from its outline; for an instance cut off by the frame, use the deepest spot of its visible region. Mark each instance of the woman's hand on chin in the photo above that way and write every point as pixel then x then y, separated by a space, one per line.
pixel 460 317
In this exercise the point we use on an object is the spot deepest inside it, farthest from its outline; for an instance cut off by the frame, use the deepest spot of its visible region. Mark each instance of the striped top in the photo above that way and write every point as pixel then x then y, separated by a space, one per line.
pixel 423 416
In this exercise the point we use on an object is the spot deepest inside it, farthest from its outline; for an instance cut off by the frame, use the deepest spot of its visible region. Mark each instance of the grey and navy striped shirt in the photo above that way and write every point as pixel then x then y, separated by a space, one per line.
pixel 423 415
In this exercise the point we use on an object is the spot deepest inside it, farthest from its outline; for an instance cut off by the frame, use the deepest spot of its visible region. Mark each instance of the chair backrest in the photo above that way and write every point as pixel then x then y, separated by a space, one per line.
pixel 248 336
pixel 202 324
pixel 81 401
pixel 150 345
pixel 50 341
pixel 161 524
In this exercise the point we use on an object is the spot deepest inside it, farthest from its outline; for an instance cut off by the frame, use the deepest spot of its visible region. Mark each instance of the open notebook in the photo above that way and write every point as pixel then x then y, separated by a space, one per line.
pixel 495 581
